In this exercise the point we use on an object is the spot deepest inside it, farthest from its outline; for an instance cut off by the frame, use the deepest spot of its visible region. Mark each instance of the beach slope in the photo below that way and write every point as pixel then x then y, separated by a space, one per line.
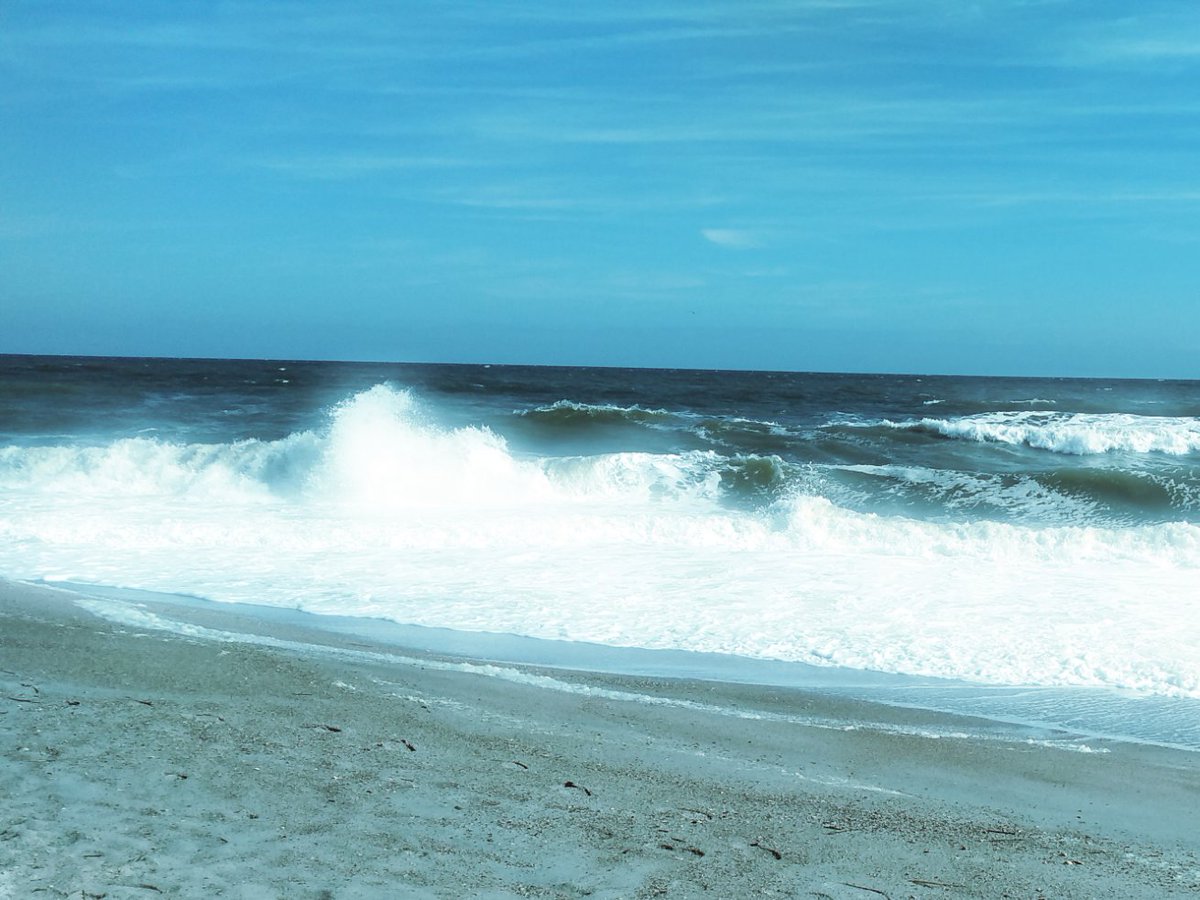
pixel 141 762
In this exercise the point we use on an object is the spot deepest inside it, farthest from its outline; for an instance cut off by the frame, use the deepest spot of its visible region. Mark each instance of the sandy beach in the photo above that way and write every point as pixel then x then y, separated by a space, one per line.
pixel 250 759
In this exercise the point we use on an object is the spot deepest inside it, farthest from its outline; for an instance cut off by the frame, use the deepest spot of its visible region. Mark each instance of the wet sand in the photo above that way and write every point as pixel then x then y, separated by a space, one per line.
pixel 141 762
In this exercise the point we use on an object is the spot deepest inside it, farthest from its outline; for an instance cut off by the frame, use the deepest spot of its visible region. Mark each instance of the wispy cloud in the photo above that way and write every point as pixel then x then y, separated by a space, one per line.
pixel 765 115
pixel 355 165
pixel 556 197
pixel 733 238
pixel 1154 48
pixel 1148 36
pixel 471 30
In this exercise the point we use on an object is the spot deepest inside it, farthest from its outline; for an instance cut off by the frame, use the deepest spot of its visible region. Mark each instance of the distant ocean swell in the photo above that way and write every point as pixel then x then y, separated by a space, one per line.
pixel 1017 577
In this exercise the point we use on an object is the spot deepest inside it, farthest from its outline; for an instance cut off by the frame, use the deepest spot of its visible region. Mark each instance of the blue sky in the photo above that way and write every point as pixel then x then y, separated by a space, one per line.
pixel 856 185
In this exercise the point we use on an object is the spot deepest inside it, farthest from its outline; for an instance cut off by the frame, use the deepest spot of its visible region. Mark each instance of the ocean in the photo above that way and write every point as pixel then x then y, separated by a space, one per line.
pixel 1025 549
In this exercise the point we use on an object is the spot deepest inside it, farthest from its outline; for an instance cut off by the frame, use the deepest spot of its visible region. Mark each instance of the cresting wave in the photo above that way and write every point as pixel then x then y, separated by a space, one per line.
pixel 725 432
pixel 384 512
pixel 379 451
pixel 1076 434
pixel 382 453
pixel 568 413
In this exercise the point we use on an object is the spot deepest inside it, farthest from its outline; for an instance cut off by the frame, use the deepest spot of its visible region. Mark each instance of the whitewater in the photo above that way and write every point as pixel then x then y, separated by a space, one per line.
pixel 1031 534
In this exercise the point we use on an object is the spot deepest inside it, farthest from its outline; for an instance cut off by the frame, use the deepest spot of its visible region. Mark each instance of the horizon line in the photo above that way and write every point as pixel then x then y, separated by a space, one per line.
pixel 530 365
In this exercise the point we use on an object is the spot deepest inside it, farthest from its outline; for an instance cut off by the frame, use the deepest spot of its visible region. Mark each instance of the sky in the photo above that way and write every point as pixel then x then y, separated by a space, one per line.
pixel 818 185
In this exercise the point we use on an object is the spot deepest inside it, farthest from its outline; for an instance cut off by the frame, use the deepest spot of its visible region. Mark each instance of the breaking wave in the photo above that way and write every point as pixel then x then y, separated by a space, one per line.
pixel 1074 434
pixel 569 414
pixel 385 511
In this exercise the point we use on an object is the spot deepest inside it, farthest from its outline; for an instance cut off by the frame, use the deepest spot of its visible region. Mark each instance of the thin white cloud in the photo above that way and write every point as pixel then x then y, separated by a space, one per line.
pixel 734 238
pixel 1172 36
pixel 1150 48
pixel 352 165
pixel 358 31
pixel 563 197
pixel 753 116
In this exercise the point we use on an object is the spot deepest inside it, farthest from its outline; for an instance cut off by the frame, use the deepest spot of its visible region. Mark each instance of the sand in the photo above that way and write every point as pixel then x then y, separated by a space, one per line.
pixel 141 763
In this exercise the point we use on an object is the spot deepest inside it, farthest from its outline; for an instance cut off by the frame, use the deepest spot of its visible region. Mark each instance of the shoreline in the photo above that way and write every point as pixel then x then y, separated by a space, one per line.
pixel 314 764
pixel 1068 715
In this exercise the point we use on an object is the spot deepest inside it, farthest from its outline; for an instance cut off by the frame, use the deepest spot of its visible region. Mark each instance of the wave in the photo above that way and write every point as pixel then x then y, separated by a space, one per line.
pixel 382 450
pixel 731 433
pixel 385 511
pixel 805 580
pixel 1138 494
pixel 1093 495
pixel 1074 434
pixel 750 435
pixel 943 493
pixel 818 521
pixel 152 467
pixel 569 414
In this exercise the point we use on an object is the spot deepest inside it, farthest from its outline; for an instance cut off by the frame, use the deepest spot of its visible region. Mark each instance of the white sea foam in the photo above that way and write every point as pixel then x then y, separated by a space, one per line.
pixel 149 467
pixel 136 615
pixel 385 513
pixel 381 452
pixel 1077 434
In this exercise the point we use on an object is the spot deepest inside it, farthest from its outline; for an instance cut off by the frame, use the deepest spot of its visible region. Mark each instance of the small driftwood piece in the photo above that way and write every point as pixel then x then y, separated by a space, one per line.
pixel 926 883
pixel 760 845
pixel 862 888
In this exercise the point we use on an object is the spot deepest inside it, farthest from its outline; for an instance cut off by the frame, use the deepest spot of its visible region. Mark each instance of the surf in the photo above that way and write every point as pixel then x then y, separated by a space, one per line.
pixel 387 509
pixel 1073 434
